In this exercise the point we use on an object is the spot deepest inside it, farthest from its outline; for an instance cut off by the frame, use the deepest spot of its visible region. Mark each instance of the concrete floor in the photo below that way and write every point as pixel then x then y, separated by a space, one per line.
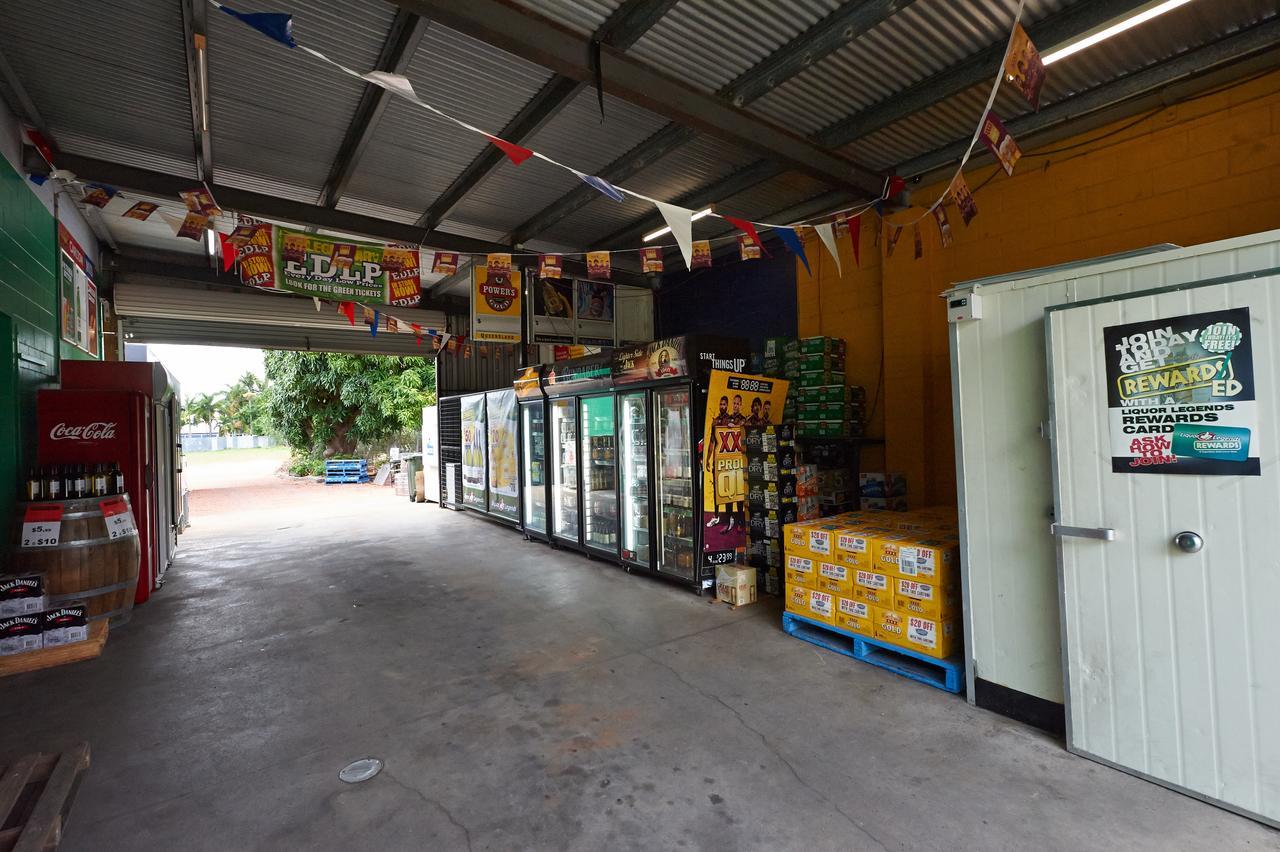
pixel 529 699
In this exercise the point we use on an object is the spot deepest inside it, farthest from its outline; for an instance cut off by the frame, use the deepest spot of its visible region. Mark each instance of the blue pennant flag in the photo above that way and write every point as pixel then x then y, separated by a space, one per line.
pixel 38 180
pixel 791 240
pixel 603 186
pixel 373 329
pixel 274 25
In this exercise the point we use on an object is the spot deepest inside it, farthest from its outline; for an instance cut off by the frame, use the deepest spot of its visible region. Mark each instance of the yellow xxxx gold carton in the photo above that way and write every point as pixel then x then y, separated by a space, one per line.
pixel 936 638
pixel 797 600
pixel 854 616
pixel 835 578
pixel 872 587
pixel 931 560
pixel 888 625
pixel 822 606
pixel 800 571
pixel 915 597
pixel 822 538
pixel 853 547
pixel 884 551
pixel 797 534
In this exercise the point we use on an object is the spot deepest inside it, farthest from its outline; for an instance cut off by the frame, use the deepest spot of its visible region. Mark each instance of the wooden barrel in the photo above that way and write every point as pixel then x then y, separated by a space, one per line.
pixel 86 564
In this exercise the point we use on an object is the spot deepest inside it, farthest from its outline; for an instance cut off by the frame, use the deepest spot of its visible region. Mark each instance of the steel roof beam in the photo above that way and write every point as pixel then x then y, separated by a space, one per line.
pixel 195 32
pixel 621 30
pixel 834 31
pixel 402 40
pixel 516 30
pixel 1260 39
pixel 25 107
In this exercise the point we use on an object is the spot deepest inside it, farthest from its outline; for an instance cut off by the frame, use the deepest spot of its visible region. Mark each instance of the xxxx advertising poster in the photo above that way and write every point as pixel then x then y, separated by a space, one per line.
pixel 734 401
pixel 504 488
pixel 495 303
pixel 345 270
pixel 1180 394
pixel 473 452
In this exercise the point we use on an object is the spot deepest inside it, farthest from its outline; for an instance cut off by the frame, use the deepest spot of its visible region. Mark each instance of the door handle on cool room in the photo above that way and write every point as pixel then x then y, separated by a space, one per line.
pixel 1100 533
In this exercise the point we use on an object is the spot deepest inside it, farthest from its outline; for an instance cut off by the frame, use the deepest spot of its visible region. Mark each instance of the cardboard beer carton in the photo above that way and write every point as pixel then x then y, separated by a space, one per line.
pixel 872 587
pixel 892 504
pixel 932 560
pixel 885 550
pixel 888 625
pixel 22 594
pixel 819 344
pixel 21 633
pixel 854 616
pixel 66 624
pixel 796 600
pixel 882 484
pixel 800 571
pixel 915 597
pixel 822 606
pixel 835 578
pixel 933 637
pixel 820 378
pixel 854 546
pixel 736 585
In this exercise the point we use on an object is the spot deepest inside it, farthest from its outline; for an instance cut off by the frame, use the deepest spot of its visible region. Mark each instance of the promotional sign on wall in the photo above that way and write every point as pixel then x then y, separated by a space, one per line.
pixel 503 429
pixel 474 448
pixel 78 297
pixel 552 318
pixel 646 362
pixel 734 400
pixel 594 311
pixel 345 270
pixel 1180 394
pixel 495 304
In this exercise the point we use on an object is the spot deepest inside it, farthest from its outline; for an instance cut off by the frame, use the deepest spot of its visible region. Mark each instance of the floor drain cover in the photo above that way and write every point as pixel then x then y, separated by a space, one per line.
pixel 361 770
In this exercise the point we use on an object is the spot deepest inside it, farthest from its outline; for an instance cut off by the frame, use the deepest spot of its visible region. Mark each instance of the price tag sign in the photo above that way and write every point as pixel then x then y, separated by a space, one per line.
pixel 41 525
pixel 119 519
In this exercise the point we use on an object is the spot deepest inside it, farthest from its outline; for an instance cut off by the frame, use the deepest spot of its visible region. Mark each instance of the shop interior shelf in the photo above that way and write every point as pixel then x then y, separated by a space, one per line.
pixel 947 675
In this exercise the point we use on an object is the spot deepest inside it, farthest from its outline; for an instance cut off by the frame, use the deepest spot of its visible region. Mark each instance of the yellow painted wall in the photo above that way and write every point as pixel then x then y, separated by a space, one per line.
pixel 1199 171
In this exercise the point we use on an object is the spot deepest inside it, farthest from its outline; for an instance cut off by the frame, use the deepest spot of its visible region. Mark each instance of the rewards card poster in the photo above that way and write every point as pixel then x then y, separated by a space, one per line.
pixel 1180 394
pixel 504 487
pixel 734 401
pixel 474 447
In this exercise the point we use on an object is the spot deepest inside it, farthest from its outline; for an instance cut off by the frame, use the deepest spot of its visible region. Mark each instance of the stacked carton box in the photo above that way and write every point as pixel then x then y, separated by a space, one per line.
pixel 830 410
pixel 883 491
pixel 773 498
pixel 890 576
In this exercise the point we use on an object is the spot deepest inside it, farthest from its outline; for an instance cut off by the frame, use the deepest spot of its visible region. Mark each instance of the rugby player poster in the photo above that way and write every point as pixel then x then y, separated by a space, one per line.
pixel 1181 395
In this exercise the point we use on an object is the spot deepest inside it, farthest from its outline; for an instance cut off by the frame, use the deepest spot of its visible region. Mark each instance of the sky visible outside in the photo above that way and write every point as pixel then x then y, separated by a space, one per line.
pixel 206 369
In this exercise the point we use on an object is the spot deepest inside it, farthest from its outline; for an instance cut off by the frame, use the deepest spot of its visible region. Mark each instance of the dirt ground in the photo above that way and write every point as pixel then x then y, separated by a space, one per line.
pixel 248 489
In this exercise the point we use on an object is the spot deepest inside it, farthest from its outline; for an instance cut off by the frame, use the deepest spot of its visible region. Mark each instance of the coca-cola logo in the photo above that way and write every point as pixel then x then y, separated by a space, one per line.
pixel 99 430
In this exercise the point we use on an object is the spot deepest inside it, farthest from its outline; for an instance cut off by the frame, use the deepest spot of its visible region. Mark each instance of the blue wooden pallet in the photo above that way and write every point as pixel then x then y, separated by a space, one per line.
pixel 341 478
pixel 947 675
pixel 346 466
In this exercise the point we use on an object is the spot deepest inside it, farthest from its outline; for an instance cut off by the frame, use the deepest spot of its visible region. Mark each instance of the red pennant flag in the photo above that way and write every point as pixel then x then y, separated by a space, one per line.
pixel 855 239
pixel 228 251
pixel 893 186
pixel 514 152
pixel 748 229
pixel 349 308
pixel 417 333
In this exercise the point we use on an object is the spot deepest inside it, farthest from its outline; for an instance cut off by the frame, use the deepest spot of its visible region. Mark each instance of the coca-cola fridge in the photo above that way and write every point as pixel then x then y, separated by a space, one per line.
pixel 128 413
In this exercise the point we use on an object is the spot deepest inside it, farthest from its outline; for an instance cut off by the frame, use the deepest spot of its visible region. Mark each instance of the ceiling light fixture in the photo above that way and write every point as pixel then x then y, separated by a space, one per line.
pixel 1139 16
pixel 650 237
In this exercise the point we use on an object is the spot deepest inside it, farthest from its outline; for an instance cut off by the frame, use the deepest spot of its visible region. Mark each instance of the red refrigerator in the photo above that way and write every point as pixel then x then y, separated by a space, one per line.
pixel 128 413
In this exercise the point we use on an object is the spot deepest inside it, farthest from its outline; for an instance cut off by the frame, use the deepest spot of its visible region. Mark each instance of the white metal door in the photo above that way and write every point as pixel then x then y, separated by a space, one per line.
pixel 1171 642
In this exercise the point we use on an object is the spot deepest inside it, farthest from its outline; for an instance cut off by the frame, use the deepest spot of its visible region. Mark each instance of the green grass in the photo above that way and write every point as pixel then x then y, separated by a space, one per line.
pixel 222 456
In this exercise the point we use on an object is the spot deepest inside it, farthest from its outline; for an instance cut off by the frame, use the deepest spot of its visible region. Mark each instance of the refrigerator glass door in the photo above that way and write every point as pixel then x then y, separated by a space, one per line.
pixel 674 459
pixel 633 439
pixel 599 475
pixel 535 467
pixel 564 499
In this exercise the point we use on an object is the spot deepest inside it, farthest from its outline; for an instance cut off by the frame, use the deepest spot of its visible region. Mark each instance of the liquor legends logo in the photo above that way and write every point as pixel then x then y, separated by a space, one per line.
pixel 499 292
pixel 99 430
pixel 1209 442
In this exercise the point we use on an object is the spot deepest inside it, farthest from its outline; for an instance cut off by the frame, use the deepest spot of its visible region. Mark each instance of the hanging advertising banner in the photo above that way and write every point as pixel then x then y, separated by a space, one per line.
pixel 404 275
pixel 200 201
pixel 734 400
pixel 1181 396
pixel 495 302
pixel 1023 67
pixel 474 448
pixel 504 470
pixel 651 260
pixel 77 295
pixel 327 268
pixel 254 242
pixel 552 317
pixel 594 310
pixel 599 266
pixel 1002 145
pixel 645 362
pixel 141 211
pixel 701 255
pixel 91 318
pixel 550 266
pixel 445 263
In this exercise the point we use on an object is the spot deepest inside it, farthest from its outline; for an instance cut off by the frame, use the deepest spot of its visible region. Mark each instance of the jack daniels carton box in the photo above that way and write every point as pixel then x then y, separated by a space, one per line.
pixel 66 624
pixel 21 633
pixel 21 594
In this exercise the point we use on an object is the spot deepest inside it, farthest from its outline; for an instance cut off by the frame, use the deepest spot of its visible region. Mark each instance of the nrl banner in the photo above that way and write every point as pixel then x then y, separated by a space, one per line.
pixel 346 270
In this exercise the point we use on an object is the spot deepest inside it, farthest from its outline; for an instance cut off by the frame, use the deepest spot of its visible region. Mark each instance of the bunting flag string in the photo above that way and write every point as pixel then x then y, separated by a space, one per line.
pixel 792 240
pixel 826 233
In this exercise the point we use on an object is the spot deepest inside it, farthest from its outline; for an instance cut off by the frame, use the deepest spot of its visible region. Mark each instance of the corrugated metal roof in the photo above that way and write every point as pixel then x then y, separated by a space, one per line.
pixel 414 155
pixel 277 116
pixel 581 16
pixel 707 43
pixel 110 83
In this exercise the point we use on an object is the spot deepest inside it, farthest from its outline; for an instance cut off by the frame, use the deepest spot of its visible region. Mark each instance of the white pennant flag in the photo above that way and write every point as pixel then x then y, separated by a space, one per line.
pixel 395 83
pixel 826 232
pixel 680 221
pixel 171 220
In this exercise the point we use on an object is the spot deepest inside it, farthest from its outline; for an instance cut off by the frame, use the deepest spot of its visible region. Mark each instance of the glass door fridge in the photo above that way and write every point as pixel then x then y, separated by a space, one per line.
pixel 564 471
pixel 533 452
pixel 599 449
pixel 634 484
pixel 676 512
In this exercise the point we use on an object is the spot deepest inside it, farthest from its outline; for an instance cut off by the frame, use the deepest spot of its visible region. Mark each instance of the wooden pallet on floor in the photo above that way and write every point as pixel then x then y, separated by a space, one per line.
pixel 947 675
pixel 30 661
pixel 36 792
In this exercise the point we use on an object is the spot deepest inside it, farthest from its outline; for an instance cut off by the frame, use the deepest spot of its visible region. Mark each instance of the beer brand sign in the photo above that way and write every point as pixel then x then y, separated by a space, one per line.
pixel 495 301
pixel 345 270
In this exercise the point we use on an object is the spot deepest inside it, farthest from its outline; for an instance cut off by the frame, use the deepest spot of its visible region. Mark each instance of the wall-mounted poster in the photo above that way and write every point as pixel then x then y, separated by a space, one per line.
pixel 594 309
pixel 346 270
pixel 503 428
pixel 552 317
pixel 1180 394
pixel 474 450
pixel 495 302
pixel 77 296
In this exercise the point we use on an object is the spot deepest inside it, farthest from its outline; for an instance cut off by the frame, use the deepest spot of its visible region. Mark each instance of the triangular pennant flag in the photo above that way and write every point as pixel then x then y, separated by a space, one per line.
pixel 99 195
pixel 893 185
pixel 417 333
pixel 747 228
pixel 373 327
pixel 855 239
pixel 395 83
pixel 349 308
pixel 515 153
pixel 316 302
pixel 273 25
pixel 826 233
pixel 680 221
pixel 228 252
pixel 602 186
pixel 919 243
pixel 792 240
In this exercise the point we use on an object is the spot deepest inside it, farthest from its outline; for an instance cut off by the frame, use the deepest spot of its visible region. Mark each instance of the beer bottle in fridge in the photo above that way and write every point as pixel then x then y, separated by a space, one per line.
pixel 34 487
pixel 118 476
pixel 52 483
